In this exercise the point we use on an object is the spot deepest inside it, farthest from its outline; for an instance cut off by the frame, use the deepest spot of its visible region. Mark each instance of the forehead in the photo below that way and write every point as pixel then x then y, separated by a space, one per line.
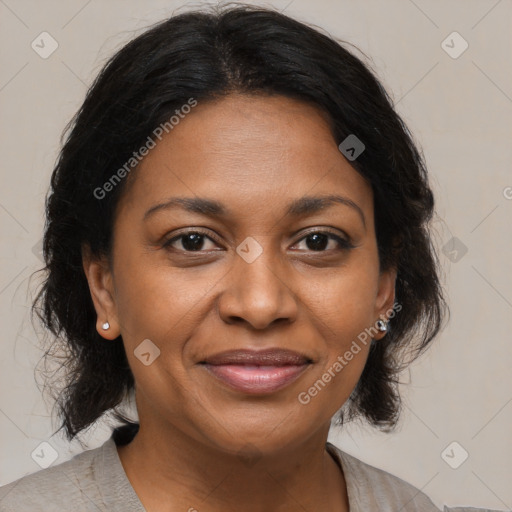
pixel 248 151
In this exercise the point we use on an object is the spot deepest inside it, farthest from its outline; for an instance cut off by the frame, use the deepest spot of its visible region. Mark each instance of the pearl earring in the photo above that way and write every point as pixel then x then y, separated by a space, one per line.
pixel 382 325
pixel 106 326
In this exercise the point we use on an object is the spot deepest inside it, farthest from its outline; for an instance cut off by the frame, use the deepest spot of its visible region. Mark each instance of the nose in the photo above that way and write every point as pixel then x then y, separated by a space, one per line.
pixel 258 293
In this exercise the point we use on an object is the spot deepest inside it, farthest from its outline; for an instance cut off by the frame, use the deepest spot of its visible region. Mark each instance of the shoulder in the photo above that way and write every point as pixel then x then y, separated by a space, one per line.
pixel 89 479
pixel 371 488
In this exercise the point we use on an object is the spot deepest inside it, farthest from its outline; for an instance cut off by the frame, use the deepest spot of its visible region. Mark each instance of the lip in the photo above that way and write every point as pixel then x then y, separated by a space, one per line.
pixel 266 357
pixel 257 372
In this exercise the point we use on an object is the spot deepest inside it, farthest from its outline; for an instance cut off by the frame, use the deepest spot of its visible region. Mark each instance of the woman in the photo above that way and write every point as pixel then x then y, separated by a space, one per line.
pixel 237 231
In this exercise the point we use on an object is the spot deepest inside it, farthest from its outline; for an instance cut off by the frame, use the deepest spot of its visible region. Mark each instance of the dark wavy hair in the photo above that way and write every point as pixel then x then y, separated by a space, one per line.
pixel 208 54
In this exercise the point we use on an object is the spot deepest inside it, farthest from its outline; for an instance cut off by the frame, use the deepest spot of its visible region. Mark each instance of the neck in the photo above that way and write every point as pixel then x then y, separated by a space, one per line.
pixel 168 467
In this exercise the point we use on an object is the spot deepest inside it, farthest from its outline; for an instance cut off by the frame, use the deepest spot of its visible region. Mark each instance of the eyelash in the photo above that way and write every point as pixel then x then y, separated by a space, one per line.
pixel 344 244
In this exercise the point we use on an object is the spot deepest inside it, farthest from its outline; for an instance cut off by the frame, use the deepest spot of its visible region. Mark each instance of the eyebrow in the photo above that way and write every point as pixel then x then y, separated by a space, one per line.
pixel 305 205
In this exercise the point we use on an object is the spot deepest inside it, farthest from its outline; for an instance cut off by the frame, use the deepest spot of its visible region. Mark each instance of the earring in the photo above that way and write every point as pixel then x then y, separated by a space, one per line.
pixel 106 326
pixel 382 325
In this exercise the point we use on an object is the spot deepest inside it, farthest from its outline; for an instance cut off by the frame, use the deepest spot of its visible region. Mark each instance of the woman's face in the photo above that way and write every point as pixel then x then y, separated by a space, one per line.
pixel 255 278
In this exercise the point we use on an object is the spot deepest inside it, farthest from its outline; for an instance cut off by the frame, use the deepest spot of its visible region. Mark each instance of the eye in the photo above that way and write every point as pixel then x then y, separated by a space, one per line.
pixel 191 241
pixel 317 241
pixel 324 241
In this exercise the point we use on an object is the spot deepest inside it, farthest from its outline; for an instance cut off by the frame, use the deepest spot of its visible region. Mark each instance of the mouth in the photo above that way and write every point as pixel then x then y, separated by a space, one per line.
pixel 257 372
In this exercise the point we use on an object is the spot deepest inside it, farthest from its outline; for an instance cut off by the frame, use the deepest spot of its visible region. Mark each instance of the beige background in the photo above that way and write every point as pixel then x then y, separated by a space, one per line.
pixel 460 112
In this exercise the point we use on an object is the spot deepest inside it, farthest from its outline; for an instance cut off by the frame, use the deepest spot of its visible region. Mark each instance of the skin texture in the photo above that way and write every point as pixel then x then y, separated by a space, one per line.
pixel 255 154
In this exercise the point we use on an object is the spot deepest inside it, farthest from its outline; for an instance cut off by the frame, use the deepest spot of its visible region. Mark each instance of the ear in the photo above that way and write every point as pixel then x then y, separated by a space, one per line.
pixel 385 297
pixel 99 277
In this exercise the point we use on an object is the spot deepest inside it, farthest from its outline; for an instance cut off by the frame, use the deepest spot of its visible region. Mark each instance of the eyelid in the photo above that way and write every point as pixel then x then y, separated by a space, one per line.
pixel 325 230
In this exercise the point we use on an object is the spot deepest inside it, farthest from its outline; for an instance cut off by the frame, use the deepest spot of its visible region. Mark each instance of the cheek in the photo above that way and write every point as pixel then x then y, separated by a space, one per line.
pixel 344 300
pixel 342 308
pixel 156 300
